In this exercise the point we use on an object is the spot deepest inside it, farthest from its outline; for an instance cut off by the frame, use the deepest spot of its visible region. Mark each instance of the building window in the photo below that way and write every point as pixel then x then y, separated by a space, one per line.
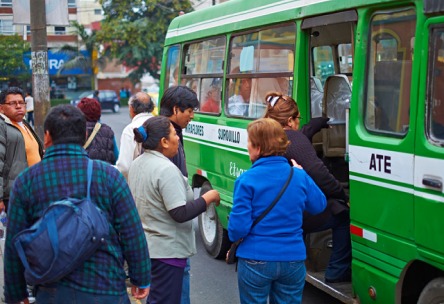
pixel 71 3
pixel 5 2
pixel 98 11
pixel 6 27
pixel 59 30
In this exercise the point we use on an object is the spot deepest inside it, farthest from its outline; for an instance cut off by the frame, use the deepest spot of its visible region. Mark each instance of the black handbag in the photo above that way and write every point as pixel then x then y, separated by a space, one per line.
pixel 231 257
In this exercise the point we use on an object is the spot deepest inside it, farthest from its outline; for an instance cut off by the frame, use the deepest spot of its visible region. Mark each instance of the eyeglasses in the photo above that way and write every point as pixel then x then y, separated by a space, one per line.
pixel 16 103
pixel 299 117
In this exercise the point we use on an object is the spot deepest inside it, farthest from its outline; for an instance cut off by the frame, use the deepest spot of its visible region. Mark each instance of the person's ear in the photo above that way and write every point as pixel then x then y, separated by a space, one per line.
pixel 47 140
pixel 289 121
pixel 164 143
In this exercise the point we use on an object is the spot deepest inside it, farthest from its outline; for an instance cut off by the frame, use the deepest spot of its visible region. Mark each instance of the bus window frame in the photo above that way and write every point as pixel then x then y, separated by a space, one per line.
pixel 430 84
pixel 169 77
pixel 255 75
pixel 369 52
pixel 186 78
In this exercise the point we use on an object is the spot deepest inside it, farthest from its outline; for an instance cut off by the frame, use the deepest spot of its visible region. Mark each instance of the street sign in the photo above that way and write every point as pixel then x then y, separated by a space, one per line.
pixel 56 12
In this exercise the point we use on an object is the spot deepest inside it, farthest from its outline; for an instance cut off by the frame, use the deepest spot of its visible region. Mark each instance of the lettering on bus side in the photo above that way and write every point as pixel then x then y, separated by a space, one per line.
pixel 235 170
pixel 195 130
pixel 380 163
pixel 229 135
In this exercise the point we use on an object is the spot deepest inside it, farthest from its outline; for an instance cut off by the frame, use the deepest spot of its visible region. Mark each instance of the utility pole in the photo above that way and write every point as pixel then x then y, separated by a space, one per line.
pixel 39 57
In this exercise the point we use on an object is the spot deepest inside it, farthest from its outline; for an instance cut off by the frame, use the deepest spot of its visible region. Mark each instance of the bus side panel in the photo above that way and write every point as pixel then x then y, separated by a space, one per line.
pixel 366 276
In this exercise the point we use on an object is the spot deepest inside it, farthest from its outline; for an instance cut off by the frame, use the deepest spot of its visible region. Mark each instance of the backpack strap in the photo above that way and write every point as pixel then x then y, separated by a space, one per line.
pixel 92 135
pixel 89 174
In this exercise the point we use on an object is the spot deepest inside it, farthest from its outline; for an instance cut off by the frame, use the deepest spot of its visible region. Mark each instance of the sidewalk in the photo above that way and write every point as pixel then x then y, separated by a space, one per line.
pixel 2 280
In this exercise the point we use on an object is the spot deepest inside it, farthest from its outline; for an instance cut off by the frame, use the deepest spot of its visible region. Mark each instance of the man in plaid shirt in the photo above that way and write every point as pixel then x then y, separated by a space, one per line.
pixel 61 174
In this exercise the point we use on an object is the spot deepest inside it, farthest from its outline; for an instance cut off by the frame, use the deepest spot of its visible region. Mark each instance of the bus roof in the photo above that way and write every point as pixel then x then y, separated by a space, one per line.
pixel 236 15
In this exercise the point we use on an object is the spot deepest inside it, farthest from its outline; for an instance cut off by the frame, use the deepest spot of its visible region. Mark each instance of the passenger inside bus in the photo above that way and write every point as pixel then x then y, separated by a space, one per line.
pixel 238 104
pixel 212 99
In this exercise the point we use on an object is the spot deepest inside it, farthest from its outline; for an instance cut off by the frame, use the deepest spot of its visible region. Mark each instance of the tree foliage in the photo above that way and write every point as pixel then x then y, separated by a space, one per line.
pixel 77 59
pixel 12 48
pixel 133 32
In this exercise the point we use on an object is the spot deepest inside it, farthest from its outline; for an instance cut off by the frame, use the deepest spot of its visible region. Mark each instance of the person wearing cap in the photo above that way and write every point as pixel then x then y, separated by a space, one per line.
pixel 100 143
pixel 141 107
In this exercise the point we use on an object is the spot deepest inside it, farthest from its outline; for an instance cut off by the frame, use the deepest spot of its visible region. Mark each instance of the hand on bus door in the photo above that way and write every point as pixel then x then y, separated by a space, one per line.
pixel 295 164
pixel 212 196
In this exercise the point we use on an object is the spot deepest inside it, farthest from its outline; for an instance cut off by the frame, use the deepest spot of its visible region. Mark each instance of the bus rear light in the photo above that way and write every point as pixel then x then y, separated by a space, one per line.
pixel 372 292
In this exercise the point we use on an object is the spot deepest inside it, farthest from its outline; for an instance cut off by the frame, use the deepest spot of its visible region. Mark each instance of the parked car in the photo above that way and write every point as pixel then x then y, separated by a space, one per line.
pixel 108 99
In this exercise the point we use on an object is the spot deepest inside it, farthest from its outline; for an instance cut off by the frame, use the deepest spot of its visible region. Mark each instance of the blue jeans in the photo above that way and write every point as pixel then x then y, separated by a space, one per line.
pixel 282 282
pixel 185 299
pixel 339 265
pixel 63 294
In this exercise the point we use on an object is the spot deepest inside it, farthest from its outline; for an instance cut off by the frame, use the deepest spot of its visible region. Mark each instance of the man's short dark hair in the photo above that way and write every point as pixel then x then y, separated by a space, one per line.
pixel 178 96
pixel 66 124
pixel 141 106
pixel 11 90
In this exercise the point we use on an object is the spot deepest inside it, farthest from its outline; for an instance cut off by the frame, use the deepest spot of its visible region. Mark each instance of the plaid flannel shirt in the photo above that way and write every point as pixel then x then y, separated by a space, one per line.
pixel 61 174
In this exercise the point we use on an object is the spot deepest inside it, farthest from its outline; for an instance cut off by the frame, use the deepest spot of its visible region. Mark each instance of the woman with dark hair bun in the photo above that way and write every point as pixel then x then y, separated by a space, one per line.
pixel 166 207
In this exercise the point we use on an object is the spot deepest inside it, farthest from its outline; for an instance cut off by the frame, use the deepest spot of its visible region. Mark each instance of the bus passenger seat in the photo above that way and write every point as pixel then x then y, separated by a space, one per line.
pixel 337 95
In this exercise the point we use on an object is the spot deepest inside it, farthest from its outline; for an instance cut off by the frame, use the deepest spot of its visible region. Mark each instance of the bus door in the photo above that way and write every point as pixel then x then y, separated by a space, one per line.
pixel 429 165
pixel 382 134
pixel 330 53
pixel 330 83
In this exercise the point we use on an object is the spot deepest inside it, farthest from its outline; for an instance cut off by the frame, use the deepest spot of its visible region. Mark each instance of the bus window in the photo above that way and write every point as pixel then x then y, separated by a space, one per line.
pixel 345 59
pixel 172 66
pixel 246 96
pixel 254 56
pixel 435 108
pixel 205 57
pixel 211 95
pixel 323 62
pixel 389 72
pixel 193 84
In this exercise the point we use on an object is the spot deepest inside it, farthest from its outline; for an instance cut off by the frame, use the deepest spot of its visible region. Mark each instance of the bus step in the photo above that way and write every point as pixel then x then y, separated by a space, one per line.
pixel 341 291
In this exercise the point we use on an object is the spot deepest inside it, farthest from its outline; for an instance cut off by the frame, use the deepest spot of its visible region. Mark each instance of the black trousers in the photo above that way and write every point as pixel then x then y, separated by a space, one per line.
pixel 166 283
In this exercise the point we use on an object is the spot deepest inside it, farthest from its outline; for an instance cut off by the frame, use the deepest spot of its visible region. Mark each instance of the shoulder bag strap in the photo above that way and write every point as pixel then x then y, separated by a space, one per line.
pixel 89 176
pixel 93 134
pixel 275 200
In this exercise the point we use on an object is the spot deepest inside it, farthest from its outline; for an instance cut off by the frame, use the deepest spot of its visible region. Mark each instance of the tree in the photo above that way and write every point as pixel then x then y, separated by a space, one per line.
pixel 78 59
pixel 133 32
pixel 12 49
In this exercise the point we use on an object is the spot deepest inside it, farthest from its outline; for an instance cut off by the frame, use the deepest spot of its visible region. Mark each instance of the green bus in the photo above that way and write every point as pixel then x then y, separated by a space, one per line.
pixel 375 67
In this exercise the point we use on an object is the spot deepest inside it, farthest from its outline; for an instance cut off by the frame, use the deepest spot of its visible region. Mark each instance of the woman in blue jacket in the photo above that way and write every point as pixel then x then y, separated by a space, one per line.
pixel 272 253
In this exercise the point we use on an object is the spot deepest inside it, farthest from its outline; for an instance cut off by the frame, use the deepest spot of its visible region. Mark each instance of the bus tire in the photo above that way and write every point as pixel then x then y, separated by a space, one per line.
pixel 214 236
pixel 433 293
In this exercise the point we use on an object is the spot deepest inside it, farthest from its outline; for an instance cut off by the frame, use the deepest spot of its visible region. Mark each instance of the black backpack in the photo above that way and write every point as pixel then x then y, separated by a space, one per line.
pixel 68 233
